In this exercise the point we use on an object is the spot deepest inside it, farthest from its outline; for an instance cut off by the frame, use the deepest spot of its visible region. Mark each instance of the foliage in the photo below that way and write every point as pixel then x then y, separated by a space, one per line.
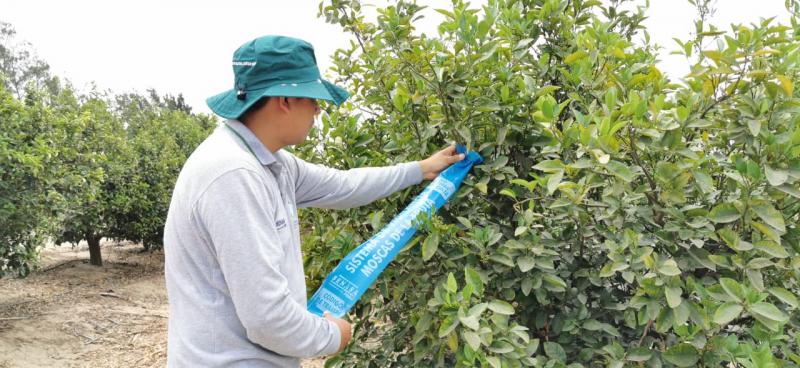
pixel 20 65
pixel 82 167
pixel 26 195
pixel 92 156
pixel 161 135
pixel 619 219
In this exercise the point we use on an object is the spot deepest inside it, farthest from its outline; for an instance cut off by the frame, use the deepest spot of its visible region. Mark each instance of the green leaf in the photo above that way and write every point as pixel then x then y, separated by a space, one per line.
pixel 501 307
pixel 376 220
pixel 673 296
pixel 500 162
pixel 704 181
pixel 429 246
pixel 469 321
pixel 553 181
pixel 526 263
pixel 682 355
pixel 575 56
pixel 508 193
pixel 448 325
pixel 756 279
pixel 753 170
pixel 550 166
pixel 555 282
pixel 501 347
pixel 473 340
pixel 473 278
pixel 639 354
pixel 767 230
pixel 593 325
pixel 503 259
pixel 494 362
pixel 620 170
pixel 524 183
pixel 526 285
pixel 611 98
pixel 548 107
pixel 789 189
pixel 771 248
pixel 669 268
pixel 762 357
pixel 731 238
pixel 754 126
pixel 769 214
pixel 665 319
pixel 776 177
pixel 732 288
pixel 759 263
pixel 478 309
pixel 555 351
pixel 682 113
pixel 727 312
pixel 464 221
pixel 466 291
pixel 768 311
pixel 446 13
pixel 601 157
pixel 481 187
pixel 522 333
pixel 784 295
pixel 424 323
pixel 768 323
pixel 452 285
pixel 786 84
pixel 699 123
pixel 724 213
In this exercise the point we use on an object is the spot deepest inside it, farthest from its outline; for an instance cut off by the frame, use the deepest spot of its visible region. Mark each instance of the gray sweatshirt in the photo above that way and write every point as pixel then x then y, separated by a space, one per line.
pixel 234 270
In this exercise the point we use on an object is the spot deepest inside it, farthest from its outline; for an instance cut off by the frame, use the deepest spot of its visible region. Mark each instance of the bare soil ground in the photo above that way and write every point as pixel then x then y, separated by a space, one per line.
pixel 72 314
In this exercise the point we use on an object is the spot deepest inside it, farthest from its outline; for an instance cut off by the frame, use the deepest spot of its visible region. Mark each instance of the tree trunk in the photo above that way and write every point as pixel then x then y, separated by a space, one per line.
pixel 94 250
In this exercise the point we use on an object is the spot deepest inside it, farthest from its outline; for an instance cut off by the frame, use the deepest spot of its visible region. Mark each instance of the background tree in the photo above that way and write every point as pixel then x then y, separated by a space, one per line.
pixel 83 166
pixel 28 201
pixel 619 219
pixel 20 65
pixel 162 133
pixel 95 159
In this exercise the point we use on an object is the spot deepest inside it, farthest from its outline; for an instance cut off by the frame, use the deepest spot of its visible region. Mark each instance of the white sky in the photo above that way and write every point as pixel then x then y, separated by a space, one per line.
pixel 184 46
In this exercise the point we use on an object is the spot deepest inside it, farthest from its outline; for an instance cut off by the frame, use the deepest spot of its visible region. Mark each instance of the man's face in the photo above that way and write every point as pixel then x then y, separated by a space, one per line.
pixel 302 113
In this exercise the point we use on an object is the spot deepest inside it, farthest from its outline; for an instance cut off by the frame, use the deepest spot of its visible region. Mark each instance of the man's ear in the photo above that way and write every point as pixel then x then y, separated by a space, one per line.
pixel 283 104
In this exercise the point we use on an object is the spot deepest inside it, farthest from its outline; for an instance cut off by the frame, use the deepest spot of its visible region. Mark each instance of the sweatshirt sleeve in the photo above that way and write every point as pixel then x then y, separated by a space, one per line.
pixel 320 186
pixel 238 212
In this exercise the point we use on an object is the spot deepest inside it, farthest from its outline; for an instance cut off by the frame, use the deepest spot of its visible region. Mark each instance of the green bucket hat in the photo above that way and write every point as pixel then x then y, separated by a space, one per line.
pixel 273 66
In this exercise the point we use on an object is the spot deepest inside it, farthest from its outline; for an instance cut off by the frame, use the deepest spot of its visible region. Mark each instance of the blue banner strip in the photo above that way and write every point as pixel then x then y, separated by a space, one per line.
pixel 361 267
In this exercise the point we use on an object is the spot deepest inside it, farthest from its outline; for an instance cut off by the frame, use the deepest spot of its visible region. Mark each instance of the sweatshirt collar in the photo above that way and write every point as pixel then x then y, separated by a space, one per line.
pixel 246 136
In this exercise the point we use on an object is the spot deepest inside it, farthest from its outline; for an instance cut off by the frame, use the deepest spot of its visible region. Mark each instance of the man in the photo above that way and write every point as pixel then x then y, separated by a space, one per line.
pixel 234 270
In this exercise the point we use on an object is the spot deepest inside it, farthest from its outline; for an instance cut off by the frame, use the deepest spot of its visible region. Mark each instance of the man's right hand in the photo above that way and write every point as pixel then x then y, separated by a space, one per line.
pixel 344 328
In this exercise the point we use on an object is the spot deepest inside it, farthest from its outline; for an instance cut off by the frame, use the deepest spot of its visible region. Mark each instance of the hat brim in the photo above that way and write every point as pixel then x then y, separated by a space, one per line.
pixel 228 106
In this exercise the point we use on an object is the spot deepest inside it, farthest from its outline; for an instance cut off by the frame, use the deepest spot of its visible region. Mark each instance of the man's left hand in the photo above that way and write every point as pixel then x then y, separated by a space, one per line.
pixel 432 166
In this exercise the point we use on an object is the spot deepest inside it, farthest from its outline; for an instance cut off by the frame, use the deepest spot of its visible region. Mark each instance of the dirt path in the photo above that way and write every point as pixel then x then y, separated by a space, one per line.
pixel 72 314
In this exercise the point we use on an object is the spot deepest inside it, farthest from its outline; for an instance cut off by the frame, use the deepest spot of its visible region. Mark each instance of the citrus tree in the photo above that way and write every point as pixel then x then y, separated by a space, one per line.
pixel 27 201
pixel 83 166
pixel 161 133
pixel 26 196
pixel 620 219
pixel 20 65
pixel 94 158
